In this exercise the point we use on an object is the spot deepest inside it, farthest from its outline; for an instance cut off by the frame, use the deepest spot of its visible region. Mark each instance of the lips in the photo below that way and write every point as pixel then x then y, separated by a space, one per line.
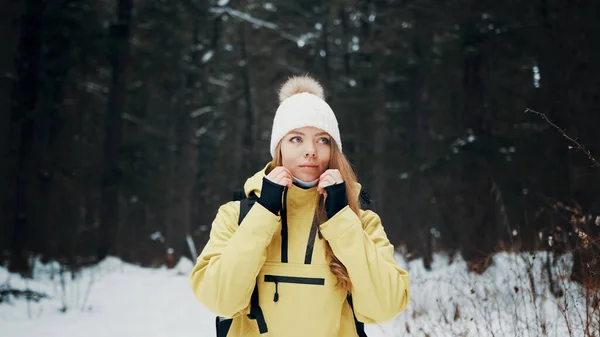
pixel 309 166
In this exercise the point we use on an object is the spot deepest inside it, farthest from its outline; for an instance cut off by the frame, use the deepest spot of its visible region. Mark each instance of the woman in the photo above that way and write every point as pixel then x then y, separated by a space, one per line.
pixel 305 260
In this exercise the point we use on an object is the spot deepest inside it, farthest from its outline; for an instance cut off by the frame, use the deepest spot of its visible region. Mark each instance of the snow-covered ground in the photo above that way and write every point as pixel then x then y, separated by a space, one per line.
pixel 117 299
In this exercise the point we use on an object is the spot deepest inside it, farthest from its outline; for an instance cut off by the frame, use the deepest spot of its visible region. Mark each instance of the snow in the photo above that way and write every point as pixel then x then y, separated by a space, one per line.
pixel 269 7
pixel 245 17
pixel 124 300
pixel 117 299
pixel 201 111
pixel 208 56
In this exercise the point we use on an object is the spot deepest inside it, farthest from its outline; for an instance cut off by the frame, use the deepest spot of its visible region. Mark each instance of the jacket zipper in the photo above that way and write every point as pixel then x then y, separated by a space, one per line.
pixel 292 279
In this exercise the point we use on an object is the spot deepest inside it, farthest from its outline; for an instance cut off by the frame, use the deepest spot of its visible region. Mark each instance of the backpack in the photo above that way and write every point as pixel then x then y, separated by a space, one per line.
pixel 224 324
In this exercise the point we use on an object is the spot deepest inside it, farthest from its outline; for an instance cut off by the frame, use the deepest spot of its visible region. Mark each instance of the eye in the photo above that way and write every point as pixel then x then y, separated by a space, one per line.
pixel 296 139
pixel 324 140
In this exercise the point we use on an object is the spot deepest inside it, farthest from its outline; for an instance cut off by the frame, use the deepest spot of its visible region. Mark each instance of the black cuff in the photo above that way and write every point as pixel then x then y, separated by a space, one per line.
pixel 270 196
pixel 336 199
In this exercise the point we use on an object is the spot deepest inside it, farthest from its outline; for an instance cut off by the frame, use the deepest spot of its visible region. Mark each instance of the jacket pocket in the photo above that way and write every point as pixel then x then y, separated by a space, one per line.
pixel 299 300
pixel 292 279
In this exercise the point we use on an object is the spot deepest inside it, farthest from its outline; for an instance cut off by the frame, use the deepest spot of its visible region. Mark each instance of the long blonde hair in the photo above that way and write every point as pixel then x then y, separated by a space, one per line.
pixel 337 161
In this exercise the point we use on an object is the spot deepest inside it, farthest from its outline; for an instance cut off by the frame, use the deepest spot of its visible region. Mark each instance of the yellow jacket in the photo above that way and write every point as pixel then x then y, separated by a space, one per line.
pixel 307 302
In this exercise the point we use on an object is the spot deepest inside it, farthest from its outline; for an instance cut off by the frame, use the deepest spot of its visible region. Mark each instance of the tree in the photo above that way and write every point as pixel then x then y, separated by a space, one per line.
pixel 111 177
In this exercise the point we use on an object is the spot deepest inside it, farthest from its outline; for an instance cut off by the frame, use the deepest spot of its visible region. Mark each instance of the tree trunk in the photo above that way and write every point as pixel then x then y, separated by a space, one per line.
pixel 24 96
pixel 327 28
pixel 419 208
pixel 343 13
pixel 475 174
pixel 379 144
pixel 119 54
pixel 10 34
pixel 248 147
pixel 185 165
pixel 57 203
pixel 184 184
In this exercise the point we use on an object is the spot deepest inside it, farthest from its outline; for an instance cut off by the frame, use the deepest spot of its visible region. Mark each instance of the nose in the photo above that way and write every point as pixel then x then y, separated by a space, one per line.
pixel 310 151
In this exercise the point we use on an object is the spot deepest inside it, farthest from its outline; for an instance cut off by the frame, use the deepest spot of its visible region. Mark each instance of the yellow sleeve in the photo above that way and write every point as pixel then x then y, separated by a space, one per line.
pixel 225 272
pixel 380 288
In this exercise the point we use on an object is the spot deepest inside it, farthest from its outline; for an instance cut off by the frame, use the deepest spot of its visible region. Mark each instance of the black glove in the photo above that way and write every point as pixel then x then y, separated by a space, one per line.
pixel 336 199
pixel 270 196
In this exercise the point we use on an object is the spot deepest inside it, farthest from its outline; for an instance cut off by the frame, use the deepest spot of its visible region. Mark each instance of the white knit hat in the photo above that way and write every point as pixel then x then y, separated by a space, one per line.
pixel 302 103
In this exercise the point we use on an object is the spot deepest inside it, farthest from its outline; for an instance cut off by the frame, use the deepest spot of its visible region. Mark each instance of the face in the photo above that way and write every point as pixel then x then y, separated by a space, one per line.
pixel 306 152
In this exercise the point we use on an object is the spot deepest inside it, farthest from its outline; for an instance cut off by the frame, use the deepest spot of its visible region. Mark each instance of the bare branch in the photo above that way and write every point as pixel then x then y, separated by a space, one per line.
pixel 578 146
pixel 255 21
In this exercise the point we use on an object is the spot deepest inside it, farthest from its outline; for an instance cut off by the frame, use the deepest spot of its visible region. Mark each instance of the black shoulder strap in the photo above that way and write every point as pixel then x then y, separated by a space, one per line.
pixel 245 205
pixel 365 199
pixel 238 195
pixel 360 326
pixel 255 310
pixel 224 324
pixel 365 203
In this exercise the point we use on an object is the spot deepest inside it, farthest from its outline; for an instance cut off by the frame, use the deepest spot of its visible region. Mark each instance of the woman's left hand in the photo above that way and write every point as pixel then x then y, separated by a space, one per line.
pixel 329 178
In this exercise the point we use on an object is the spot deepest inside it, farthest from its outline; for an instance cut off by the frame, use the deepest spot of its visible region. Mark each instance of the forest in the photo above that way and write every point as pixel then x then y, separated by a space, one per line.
pixel 473 125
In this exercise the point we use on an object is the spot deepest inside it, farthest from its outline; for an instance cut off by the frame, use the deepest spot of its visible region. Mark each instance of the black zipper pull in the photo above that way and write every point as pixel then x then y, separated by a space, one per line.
pixel 276 296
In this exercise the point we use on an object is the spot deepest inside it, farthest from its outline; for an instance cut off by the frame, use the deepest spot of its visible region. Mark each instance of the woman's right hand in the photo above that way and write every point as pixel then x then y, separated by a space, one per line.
pixel 272 188
pixel 280 176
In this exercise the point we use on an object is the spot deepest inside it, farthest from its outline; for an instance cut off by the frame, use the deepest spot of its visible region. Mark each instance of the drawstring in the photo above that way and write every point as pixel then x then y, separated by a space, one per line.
pixel 276 296
pixel 284 228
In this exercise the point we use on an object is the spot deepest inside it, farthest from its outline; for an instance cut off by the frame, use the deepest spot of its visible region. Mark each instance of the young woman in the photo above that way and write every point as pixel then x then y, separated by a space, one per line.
pixel 305 259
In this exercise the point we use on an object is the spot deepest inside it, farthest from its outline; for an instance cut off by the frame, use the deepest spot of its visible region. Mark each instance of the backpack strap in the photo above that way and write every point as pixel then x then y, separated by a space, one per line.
pixel 255 310
pixel 223 325
pixel 365 202
pixel 238 195
pixel 360 326
pixel 245 205
pixel 365 199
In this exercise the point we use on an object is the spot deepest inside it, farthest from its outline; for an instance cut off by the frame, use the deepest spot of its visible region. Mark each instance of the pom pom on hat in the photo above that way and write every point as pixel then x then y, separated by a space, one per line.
pixel 300 84
pixel 302 103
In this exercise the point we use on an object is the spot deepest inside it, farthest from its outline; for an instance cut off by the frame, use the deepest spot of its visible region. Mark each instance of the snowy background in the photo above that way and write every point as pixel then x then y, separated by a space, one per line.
pixel 119 299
